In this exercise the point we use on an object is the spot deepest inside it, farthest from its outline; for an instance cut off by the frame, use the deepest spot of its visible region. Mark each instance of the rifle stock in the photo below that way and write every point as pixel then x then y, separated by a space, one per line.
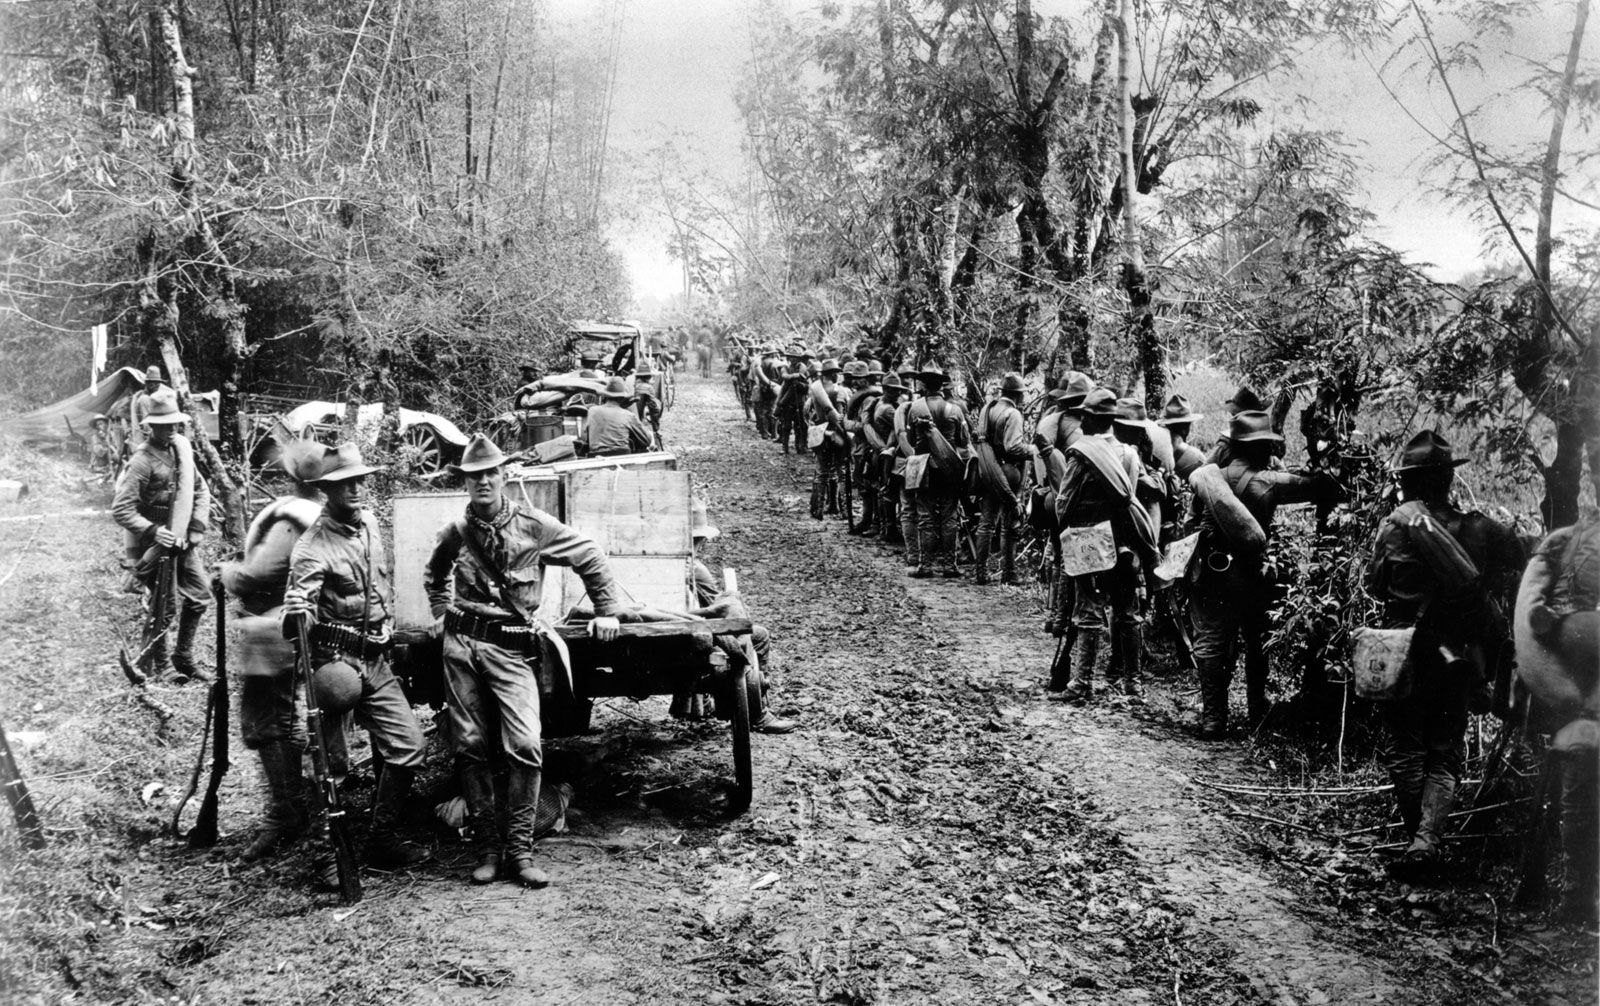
pixel 330 810
pixel 30 831
pixel 204 833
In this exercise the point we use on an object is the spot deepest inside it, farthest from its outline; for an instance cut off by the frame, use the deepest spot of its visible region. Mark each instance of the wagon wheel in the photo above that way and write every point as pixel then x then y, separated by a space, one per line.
pixel 739 683
pixel 669 388
pixel 427 451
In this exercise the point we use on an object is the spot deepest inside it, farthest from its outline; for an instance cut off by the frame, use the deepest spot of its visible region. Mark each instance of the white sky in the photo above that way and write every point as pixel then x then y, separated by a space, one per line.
pixel 681 59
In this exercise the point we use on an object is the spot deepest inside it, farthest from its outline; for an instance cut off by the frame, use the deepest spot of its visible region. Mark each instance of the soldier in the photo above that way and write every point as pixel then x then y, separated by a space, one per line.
pixel 339 583
pixel 103 449
pixel 1230 591
pixel 611 427
pixel 905 451
pixel 877 431
pixel 766 374
pixel 786 409
pixel 863 461
pixel 270 719
pixel 646 404
pixel 589 364
pixel 939 433
pixel 160 479
pixel 527 386
pixel 1098 487
pixel 483 583
pixel 139 407
pixel 1454 605
pixel 1000 426
pixel 825 406
pixel 1178 418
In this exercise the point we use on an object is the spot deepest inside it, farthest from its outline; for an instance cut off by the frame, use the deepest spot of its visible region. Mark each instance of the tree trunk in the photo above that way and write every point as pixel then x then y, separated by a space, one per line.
pixel 1141 321
pixel 229 308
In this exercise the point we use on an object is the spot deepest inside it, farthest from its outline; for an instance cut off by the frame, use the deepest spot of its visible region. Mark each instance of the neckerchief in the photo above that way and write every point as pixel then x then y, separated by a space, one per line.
pixel 490 531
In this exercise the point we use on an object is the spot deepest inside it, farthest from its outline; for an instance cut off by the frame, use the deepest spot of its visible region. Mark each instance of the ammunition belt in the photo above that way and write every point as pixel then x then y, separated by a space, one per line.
pixel 351 641
pixel 511 635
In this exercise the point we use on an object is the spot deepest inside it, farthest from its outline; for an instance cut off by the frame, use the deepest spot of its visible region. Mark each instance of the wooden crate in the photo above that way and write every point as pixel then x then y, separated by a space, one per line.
pixel 640 518
pixel 417 520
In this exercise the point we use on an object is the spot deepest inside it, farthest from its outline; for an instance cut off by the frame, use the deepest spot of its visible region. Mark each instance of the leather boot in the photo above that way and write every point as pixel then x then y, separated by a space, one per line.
pixel 477 786
pixel 817 491
pixel 1008 557
pixel 284 817
pixel 1085 654
pixel 980 559
pixel 890 532
pixel 1213 700
pixel 183 652
pixel 157 661
pixel 832 508
pixel 1061 670
pixel 1128 641
pixel 522 811
pixel 1438 796
pixel 385 847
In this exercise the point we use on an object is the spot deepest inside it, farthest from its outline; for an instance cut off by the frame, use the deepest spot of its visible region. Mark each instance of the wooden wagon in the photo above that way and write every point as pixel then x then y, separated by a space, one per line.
pixel 637 508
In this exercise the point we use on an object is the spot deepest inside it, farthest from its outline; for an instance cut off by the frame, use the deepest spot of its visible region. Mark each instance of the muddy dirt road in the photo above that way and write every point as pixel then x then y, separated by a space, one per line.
pixel 937 832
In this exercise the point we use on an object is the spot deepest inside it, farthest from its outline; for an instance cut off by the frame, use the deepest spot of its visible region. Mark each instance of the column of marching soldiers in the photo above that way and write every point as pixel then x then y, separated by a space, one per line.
pixel 1147 530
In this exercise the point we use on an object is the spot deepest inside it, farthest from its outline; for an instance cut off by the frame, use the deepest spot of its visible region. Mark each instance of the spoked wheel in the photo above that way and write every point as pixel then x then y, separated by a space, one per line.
pixel 427 453
pixel 743 774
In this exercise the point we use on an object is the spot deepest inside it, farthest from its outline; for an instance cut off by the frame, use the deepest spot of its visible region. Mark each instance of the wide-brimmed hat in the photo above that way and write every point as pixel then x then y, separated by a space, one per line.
pixel 1427 450
pixel 644 370
pixel 1177 412
pixel 700 526
pixel 855 368
pixel 1245 400
pixel 874 367
pixel 1131 412
pixel 342 463
pixel 1073 389
pixel 153 373
pixel 892 383
pixel 932 373
pixel 1012 384
pixel 1099 402
pixel 830 366
pixel 480 455
pixel 164 408
pixel 589 356
pixel 1251 425
pixel 617 388
pixel 796 350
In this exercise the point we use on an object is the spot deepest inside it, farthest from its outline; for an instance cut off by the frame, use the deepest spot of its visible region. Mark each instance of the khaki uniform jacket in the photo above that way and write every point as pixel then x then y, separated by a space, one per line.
pixel 144 495
pixel 345 572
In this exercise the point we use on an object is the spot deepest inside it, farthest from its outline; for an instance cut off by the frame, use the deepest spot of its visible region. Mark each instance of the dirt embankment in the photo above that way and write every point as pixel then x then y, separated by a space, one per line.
pixel 936 832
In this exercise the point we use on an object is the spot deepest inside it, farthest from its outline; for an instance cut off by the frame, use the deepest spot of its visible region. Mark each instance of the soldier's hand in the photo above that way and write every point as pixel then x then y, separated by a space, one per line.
pixel 605 628
pixel 165 538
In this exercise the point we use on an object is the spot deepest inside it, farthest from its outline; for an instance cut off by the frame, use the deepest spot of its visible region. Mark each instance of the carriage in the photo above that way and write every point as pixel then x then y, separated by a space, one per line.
pixel 637 507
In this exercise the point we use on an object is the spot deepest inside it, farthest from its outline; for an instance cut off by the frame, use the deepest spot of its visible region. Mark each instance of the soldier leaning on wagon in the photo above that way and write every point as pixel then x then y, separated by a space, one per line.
pixel 825 406
pixel 1000 427
pixel 707 590
pixel 339 580
pixel 611 427
pixel 1558 660
pixel 1230 585
pixel 939 432
pixel 271 722
pixel 483 583
pixel 866 472
pixel 1098 487
pixel 1446 573
pixel 161 477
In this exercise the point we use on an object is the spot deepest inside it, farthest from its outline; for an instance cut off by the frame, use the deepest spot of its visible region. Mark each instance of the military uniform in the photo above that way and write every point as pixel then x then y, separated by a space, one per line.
pixel 143 503
pixel 877 429
pixel 939 498
pixel 825 405
pixel 865 444
pixel 492 690
pixel 766 373
pixel 1000 426
pixel 612 428
pixel 787 409
pixel 1454 627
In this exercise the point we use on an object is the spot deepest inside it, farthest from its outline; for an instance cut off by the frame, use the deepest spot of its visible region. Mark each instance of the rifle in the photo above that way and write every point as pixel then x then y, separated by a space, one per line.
pixel 849 488
pixel 29 828
pixel 157 622
pixel 204 833
pixel 330 810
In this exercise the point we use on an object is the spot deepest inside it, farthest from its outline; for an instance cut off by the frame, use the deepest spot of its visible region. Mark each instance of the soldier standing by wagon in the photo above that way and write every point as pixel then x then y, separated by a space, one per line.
pixel 1446 573
pixel 161 481
pixel 483 583
pixel 339 583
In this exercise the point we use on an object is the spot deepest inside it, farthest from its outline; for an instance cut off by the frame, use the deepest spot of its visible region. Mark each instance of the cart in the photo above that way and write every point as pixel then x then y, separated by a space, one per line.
pixel 622 348
pixel 637 508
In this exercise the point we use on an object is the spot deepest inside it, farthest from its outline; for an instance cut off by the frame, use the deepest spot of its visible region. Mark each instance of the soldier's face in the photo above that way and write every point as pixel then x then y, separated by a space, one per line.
pixel 345 498
pixel 161 433
pixel 484 488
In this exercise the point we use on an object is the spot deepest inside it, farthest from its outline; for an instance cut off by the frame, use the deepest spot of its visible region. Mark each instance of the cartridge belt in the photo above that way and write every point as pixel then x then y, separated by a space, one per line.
pixel 351 641
pixel 511 635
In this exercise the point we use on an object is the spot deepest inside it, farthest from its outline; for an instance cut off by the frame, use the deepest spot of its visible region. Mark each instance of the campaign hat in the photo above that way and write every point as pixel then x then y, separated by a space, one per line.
pixel 1252 425
pixel 1073 389
pixel 1099 402
pixel 1011 383
pixel 589 356
pixel 1177 411
pixel 618 389
pixel 855 368
pixel 932 373
pixel 1245 400
pixel 644 370
pixel 1427 450
pixel 480 455
pixel 164 408
pixel 700 526
pixel 1131 412
pixel 795 350
pixel 874 367
pixel 893 383
pixel 342 463
pixel 153 373
pixel 830 366
pixel 302 459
